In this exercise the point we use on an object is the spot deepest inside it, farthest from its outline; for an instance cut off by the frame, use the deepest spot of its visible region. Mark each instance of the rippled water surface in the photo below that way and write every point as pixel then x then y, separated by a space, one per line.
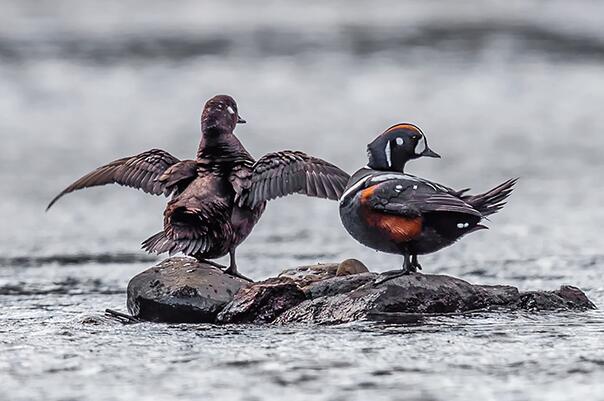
pixel 501 89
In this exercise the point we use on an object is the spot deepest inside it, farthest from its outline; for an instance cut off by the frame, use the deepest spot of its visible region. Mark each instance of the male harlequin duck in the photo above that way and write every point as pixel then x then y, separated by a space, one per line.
pixel 390 211
pixel 218 197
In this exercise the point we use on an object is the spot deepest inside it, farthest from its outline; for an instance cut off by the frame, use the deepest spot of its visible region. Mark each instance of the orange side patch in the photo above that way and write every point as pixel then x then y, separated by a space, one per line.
pixel 398 228
pixel 367 193
pixel 404 126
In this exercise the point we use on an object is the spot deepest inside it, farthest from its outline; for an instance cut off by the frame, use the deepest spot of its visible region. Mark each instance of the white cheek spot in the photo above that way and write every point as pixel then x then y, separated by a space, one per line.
pixel 415 187
pixel 399 141
pixel 459 225
pixel 398 188
pixel 388 154
pixel 230 110
pixel 466 225
pixel 463 225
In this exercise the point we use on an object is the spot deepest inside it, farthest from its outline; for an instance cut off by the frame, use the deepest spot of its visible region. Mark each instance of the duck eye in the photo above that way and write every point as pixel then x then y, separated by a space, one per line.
pixel 230 110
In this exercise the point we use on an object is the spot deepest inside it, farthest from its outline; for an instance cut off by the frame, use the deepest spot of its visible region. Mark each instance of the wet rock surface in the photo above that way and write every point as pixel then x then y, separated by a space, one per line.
pixel 181 290
pixel 262 302
pixel 184 290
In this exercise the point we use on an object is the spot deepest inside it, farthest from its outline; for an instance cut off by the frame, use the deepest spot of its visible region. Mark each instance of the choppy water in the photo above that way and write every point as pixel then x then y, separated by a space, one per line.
pixel 501 91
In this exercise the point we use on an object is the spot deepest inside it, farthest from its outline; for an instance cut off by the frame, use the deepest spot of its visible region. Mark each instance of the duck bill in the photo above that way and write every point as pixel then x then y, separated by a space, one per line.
pixel 429 153
pixel 240 120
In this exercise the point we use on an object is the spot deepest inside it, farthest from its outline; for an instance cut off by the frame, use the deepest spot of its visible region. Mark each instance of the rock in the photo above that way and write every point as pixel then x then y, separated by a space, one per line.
pixel 262 302
pixel 185 290
pixel 181 290
pixel 305 275
pixel 351 266
pixel 567 298
pixel 424 294
pixel 337 285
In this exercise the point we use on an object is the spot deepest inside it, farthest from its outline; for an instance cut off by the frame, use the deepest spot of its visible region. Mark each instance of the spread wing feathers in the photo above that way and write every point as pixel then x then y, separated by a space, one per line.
pixel 287 172
pixel 492 201
pixel 412 199
pixel 178 176
pixel 140 171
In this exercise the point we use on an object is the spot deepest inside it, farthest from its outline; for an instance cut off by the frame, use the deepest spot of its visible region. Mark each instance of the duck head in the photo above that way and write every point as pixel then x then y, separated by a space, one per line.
pixel 396 146
pixel 220 115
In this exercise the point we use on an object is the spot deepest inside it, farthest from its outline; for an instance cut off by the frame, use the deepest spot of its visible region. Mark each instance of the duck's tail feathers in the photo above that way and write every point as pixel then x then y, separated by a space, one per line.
pixel 159 243
pixel 492 201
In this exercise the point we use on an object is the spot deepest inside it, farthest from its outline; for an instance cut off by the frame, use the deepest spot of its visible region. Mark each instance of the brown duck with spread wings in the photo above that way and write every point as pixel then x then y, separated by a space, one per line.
pixel 217 198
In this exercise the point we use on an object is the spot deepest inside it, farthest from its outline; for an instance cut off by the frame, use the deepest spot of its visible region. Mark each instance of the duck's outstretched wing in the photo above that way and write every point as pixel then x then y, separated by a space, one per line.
pixel 288 172
pixel 141 171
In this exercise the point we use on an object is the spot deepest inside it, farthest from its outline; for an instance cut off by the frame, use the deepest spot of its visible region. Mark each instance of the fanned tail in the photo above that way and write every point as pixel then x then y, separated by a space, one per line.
pixel 492 201
pixel 158 243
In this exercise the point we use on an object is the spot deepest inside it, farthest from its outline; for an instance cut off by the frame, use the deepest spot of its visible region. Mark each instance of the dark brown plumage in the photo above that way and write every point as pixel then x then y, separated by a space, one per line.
pixel 218 197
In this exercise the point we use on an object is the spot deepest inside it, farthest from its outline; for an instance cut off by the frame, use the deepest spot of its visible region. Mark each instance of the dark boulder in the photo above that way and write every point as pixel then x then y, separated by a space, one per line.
pixel 337 285
pixel 566 298
pixel 185 290
pixel 262 302
pixel 181 290
pixel 425 294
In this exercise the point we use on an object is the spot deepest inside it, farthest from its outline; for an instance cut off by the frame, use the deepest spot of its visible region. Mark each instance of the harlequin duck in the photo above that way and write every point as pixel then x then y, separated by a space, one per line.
pixel 217 198
pixel 388 210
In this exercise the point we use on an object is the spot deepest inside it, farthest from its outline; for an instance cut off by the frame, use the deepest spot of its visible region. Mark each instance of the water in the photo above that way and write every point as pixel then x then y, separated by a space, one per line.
pixel 501 91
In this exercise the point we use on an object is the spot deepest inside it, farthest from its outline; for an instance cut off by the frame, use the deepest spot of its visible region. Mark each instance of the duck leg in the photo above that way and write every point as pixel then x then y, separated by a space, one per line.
pixel 212 263
pixel 408 268
pixel 232 269
pixel 415 263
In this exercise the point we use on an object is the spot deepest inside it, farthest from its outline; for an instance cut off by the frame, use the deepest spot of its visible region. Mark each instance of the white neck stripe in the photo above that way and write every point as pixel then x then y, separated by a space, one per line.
pixel 388 154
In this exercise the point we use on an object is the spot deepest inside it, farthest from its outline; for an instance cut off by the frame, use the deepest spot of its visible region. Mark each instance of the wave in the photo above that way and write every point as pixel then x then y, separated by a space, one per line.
pixel 64 259
pixel 398 42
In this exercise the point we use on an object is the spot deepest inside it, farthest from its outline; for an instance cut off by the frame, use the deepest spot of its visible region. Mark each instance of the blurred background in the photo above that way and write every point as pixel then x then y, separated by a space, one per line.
pixel 501 89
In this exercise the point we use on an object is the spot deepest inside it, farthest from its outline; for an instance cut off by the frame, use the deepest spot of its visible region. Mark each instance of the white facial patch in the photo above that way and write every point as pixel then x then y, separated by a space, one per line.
pixel 399 141
pixel 230 110
pixel 388 154
pixel 421 145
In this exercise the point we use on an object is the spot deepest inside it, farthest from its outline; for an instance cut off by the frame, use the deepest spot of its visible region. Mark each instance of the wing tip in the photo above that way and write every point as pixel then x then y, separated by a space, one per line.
pixel 53 201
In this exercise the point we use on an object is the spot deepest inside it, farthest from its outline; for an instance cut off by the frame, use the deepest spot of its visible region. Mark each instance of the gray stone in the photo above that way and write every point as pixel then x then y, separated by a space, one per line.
pixel 351 266
pixel 425 294
pixel 337 285
pixel 566 298
pixel 304 275
pixel 262 302
pixel 185 290
pixel 181 290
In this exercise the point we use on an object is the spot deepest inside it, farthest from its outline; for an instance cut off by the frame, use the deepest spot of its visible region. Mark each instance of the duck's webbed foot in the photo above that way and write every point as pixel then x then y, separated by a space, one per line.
pixel 212 263
pixel 232 269
pixel 408 268
pixel 415 263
